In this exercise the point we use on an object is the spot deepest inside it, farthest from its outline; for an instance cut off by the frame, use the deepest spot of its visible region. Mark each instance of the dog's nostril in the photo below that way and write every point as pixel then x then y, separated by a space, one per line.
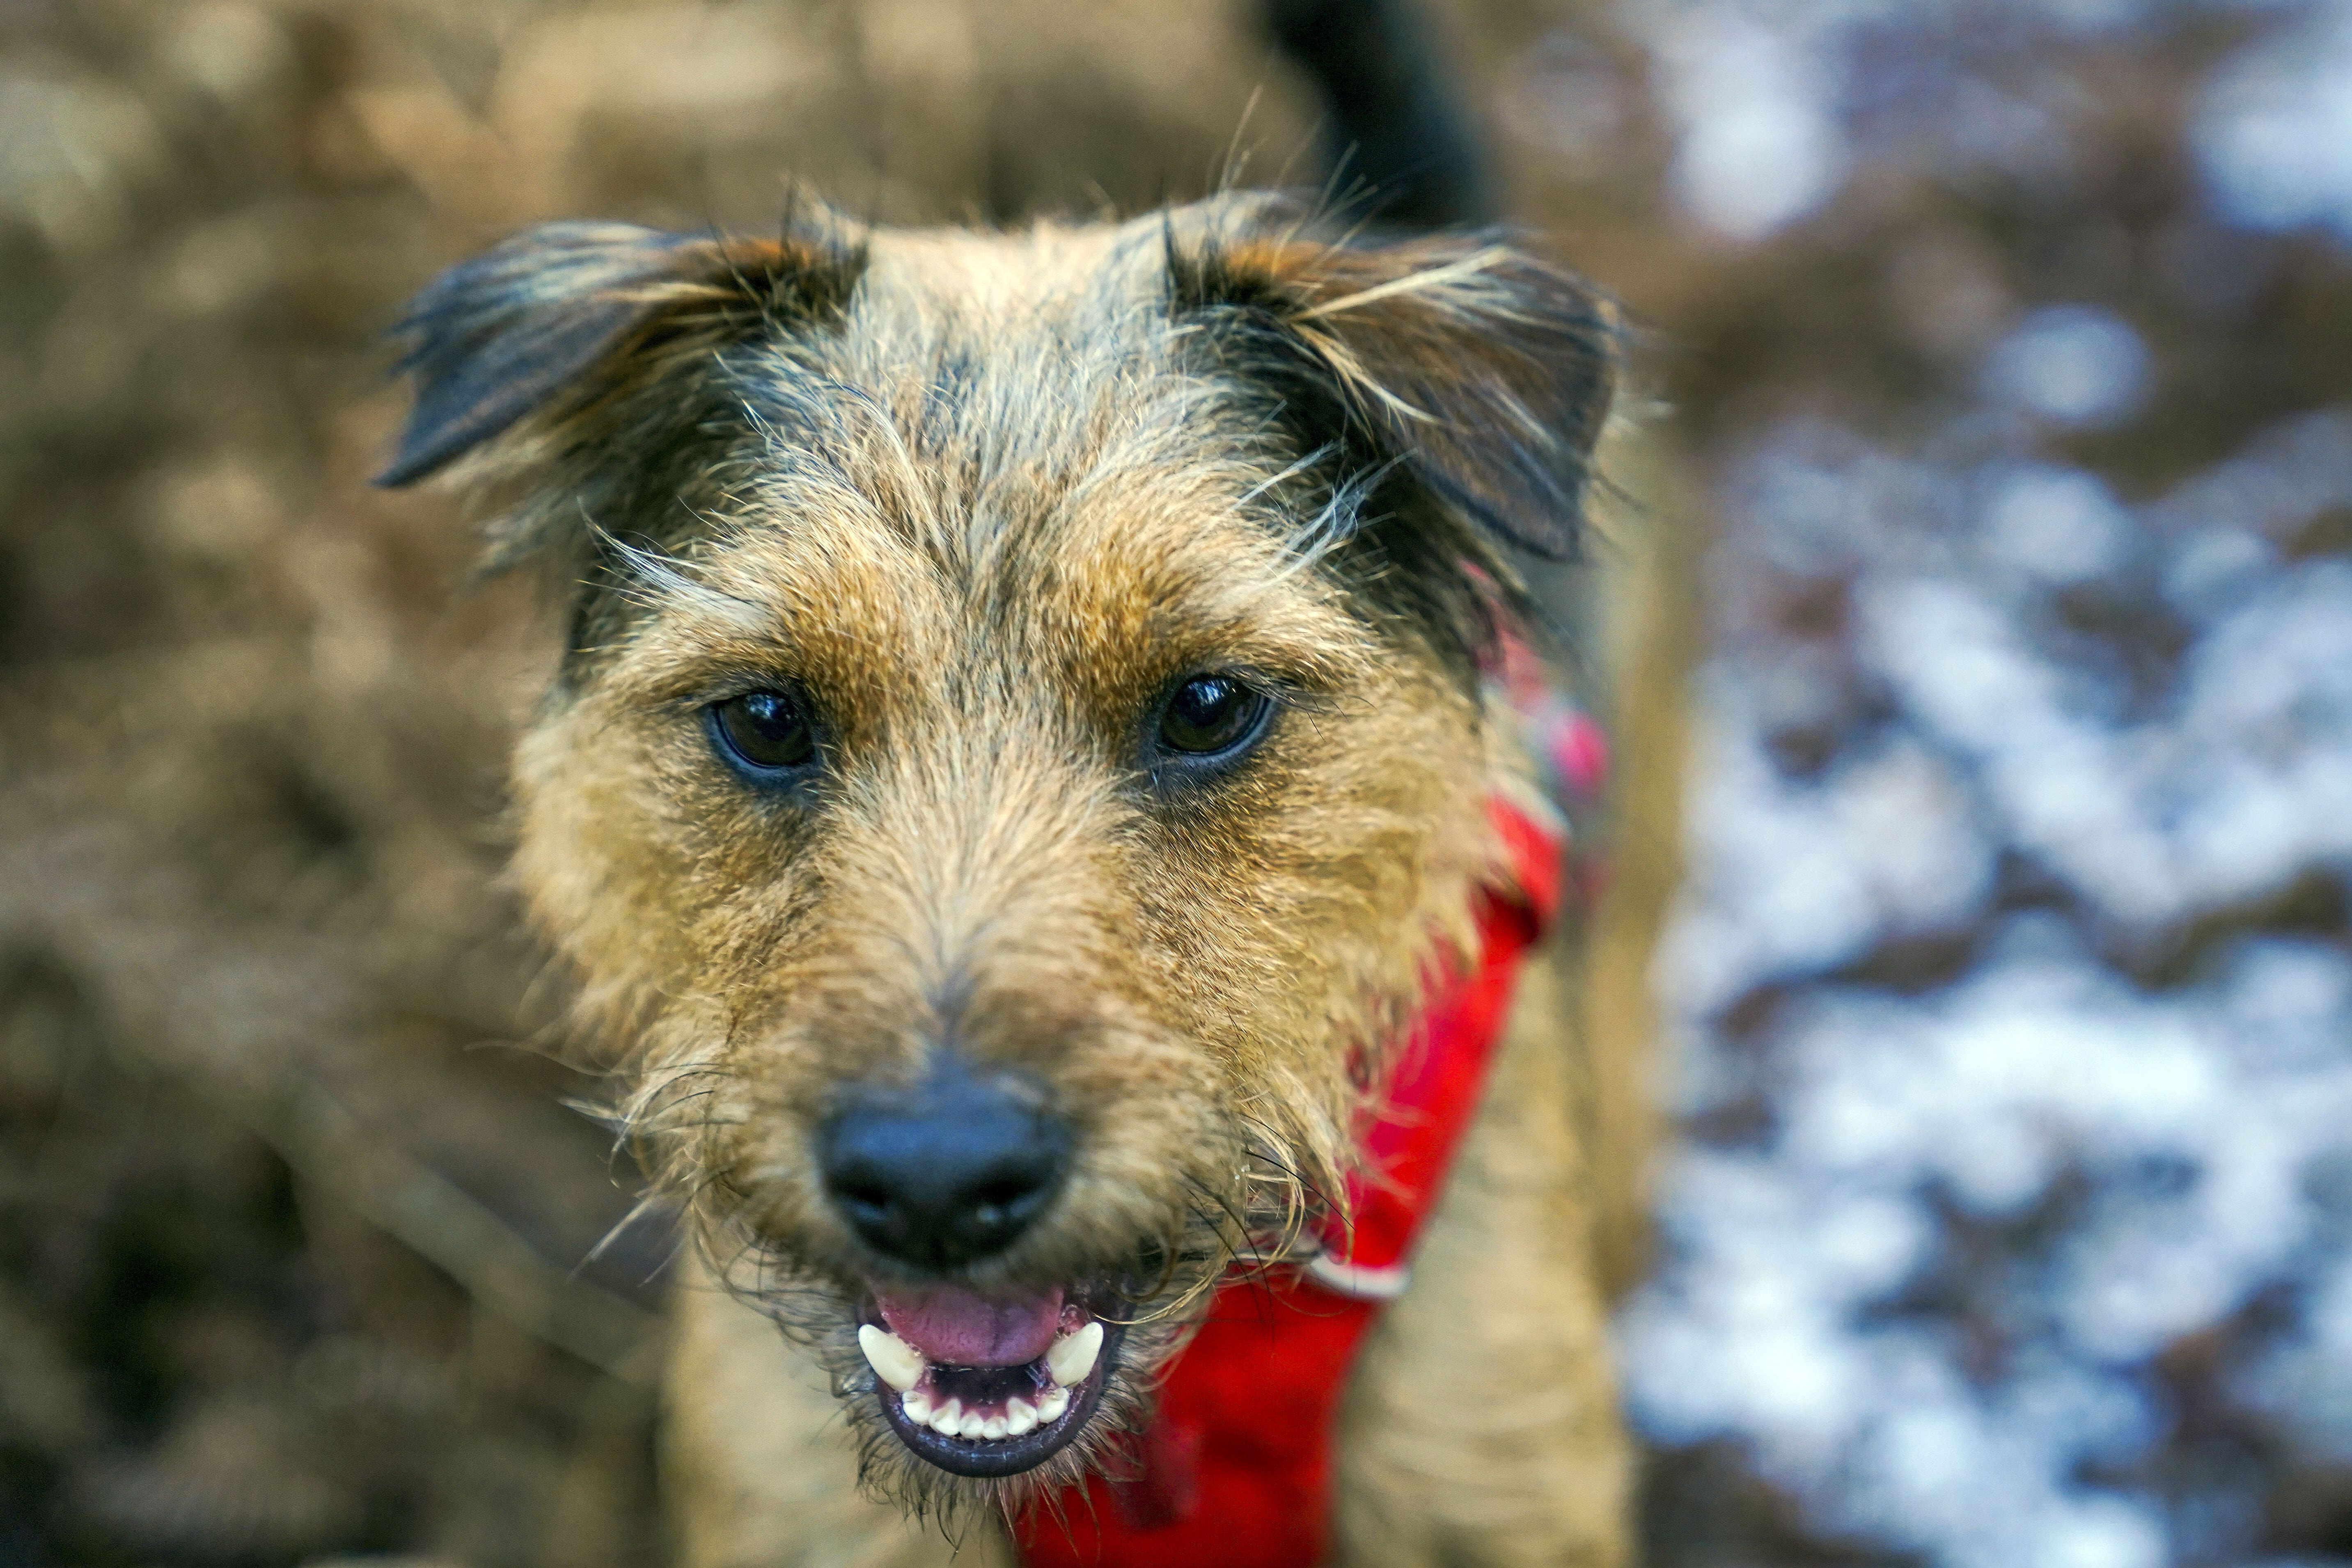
pixel 945 1173
pixel 1004 1193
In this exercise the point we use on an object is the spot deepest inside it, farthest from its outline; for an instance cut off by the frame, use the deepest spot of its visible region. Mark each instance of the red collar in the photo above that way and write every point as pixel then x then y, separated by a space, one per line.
pixel 1237 1466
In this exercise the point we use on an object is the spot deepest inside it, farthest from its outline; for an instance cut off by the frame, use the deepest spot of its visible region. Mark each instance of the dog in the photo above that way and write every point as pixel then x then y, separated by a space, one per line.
pixel 1028 759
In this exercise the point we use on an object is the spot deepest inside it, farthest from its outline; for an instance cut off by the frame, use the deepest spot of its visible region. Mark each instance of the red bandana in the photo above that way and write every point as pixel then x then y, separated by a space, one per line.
pixel 1237 1466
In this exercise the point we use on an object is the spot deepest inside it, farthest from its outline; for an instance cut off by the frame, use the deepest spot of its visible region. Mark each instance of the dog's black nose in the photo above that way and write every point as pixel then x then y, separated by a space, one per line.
pixel 948 1172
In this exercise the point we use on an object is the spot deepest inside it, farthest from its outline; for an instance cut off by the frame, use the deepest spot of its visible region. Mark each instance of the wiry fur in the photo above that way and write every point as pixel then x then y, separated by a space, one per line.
pixel 988 498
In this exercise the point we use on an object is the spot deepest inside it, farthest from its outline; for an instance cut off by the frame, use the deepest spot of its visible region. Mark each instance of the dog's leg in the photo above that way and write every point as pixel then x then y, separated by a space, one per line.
pixel 757 1464
pixel 1482 1425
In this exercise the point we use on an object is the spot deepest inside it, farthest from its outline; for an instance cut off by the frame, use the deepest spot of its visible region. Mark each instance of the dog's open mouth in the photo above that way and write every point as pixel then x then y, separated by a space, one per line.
pixel 983 1386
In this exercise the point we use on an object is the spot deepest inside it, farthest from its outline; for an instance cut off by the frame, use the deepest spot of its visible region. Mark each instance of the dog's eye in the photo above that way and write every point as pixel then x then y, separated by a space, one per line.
pixel 767 732
pixel 1211 714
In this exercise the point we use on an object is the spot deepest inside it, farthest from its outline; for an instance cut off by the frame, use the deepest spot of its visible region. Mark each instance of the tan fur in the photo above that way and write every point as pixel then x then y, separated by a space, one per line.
pixel 1482 1424
pixel 987 498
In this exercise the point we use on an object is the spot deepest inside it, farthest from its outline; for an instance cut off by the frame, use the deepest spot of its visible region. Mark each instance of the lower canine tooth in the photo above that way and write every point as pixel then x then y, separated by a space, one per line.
pixel 1072 1358
pixel 894 1360
pixel 1020 1417
pixel 917 1406
pixel 948 1418
pixel 1051 1403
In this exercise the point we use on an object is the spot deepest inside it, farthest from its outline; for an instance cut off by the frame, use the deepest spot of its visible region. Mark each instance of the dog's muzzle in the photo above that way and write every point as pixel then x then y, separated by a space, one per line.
pixel 935 1177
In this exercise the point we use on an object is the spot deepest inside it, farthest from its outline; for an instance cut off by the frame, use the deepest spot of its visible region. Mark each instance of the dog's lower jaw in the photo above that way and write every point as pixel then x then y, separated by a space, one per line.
pixel 991 1386
pixel 1095 1435
pixel 1016 1419
pixel 910 1465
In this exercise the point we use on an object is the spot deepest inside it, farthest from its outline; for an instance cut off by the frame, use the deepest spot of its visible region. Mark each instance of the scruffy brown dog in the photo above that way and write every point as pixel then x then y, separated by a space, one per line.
pixel 1021 753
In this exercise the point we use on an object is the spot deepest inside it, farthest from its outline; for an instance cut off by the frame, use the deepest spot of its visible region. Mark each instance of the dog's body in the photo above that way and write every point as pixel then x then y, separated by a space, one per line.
pixel 1024 754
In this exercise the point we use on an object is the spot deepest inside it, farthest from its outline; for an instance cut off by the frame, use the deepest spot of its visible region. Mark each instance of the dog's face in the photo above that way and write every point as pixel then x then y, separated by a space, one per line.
pixel 1022 749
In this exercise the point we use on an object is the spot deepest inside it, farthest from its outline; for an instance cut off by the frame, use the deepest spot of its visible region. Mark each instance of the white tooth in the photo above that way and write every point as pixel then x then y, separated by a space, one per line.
pixel 1072 1358
pixel 1050 1405
pixel 970 1426
pixel 1020 1417
pixel 948 1418
pixel 894 1360
pixel 996 1427
pixel 917 1406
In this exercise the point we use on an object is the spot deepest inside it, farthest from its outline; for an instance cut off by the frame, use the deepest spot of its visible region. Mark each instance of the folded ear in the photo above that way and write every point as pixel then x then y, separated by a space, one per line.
pixel 1486 371
pixel 529 326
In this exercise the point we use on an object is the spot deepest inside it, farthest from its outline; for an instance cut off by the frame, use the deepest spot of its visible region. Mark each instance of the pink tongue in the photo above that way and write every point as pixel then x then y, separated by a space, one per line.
pixel 964 1330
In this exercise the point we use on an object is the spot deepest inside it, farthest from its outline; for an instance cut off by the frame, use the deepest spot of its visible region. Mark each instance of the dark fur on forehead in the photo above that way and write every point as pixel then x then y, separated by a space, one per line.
pixel 1441 395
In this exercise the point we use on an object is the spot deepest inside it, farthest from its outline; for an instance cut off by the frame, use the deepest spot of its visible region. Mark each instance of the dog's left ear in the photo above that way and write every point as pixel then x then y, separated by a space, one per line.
pixel 568 313
pixel 1484 369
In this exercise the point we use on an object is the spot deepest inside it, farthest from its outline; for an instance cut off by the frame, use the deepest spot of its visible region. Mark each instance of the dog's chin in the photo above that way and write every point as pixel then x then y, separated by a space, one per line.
pixel 990 1387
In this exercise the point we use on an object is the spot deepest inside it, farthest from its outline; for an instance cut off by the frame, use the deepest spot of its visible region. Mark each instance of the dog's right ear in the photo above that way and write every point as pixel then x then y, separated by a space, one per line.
pixel 1485 370
pixel 550 320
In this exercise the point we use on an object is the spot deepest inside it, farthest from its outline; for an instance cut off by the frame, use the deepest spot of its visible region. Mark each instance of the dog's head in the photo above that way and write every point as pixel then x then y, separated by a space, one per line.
pixel 1021 749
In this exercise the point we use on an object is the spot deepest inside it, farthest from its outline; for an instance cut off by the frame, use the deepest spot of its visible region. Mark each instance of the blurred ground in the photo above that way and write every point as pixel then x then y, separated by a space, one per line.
pixel 2007 347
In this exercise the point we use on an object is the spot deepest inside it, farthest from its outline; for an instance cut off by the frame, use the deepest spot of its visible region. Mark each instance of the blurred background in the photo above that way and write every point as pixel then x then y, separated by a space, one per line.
pixel 1977 641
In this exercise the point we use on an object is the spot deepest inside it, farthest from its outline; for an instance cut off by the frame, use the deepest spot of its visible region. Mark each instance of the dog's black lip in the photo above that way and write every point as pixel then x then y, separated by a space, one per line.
pixel 1008 1456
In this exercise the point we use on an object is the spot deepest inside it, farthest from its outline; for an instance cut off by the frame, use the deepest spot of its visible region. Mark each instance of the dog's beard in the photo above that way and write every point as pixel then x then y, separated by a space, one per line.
pixel 1149 1310
pixel 1246 1203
